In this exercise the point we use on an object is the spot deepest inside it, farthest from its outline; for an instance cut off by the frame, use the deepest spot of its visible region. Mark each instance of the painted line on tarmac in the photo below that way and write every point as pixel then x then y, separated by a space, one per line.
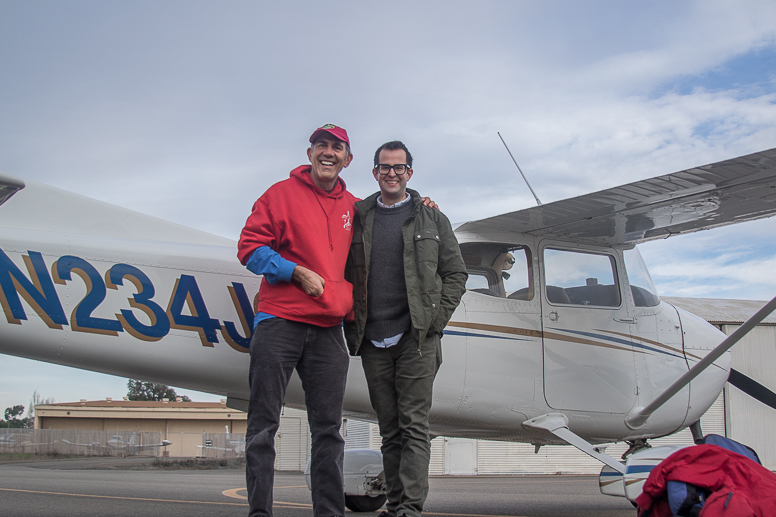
pixel 123 498
pixel 232 492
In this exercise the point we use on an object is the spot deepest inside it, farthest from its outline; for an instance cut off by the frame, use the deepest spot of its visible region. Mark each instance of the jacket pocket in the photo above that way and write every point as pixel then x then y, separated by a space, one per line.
pixel 426 242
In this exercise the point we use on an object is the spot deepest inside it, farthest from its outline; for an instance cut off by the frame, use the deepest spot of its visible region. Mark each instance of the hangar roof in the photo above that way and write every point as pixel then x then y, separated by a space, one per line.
pixel 718 311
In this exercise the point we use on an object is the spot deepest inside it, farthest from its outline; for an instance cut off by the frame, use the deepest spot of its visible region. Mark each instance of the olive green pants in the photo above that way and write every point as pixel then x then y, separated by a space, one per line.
pixel 400 380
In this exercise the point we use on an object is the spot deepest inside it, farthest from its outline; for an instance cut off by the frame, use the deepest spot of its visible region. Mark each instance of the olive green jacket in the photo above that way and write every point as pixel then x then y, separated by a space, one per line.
pixel 434 271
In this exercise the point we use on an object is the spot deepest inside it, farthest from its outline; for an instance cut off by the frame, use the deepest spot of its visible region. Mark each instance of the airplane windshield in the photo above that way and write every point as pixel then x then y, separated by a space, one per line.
pixel 644 292
pixel 579 278
pixel 498 270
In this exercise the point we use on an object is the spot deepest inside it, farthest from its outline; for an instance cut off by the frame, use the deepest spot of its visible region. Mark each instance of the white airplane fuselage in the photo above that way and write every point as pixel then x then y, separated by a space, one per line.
pixel 89 290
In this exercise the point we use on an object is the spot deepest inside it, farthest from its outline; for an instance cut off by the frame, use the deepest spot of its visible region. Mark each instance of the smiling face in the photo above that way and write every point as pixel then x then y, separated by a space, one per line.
pixel 328 157
pixel 393 187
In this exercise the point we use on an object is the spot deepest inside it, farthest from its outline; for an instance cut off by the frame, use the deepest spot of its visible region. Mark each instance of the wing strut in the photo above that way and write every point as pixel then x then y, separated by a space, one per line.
pixel 558 424
pixel 639 415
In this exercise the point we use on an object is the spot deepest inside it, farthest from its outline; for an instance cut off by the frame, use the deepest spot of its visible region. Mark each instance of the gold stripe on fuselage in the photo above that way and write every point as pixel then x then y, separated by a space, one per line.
pixel 559 337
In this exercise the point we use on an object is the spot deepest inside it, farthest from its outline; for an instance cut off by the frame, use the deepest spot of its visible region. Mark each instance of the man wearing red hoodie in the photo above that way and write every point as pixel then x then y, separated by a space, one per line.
pixel 298 237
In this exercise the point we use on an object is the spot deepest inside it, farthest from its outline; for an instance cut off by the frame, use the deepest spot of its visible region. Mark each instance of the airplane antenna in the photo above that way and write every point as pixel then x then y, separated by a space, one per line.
pixel 519 169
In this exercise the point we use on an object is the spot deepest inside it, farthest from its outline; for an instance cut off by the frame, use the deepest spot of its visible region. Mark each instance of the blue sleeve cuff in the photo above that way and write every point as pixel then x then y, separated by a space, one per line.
pixel 267 262
pixel 285 269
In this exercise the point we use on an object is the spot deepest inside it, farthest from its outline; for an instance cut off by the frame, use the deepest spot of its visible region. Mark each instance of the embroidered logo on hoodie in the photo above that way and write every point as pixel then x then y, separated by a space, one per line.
pixel 348 224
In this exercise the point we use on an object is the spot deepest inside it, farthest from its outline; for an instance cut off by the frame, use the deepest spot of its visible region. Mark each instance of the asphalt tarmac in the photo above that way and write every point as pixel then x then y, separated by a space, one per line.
pixel 123 487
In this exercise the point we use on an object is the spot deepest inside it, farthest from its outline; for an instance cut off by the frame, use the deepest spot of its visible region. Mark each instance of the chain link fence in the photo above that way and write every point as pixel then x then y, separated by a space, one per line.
pixel 80 443
pixel 221 445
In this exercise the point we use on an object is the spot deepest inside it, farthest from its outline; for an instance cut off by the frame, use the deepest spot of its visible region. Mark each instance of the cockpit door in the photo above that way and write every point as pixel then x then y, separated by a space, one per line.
pixel 503 367
pixel 588 352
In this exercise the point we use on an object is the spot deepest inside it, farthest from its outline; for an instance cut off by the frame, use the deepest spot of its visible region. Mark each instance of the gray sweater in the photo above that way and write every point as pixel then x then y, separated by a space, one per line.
pixel 388 311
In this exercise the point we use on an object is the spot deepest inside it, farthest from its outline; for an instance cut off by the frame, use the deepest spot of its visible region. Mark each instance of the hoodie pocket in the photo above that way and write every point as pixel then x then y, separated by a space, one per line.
pixel 336 300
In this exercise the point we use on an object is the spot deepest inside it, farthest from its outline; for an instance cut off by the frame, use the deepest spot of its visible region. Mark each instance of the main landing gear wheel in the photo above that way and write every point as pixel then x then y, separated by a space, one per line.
pixel 364 503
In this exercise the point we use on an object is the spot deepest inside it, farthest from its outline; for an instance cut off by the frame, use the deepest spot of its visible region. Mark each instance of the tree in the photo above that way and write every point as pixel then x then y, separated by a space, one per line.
pixel 141 390
pixel 37 400
pixel 13 418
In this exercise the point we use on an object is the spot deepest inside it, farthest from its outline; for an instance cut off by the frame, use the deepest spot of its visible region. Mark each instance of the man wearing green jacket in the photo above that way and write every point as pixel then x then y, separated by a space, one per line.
pixel 408 277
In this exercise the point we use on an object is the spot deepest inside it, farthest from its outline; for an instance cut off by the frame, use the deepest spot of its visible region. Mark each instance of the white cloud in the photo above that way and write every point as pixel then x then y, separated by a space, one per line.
pixel 731 262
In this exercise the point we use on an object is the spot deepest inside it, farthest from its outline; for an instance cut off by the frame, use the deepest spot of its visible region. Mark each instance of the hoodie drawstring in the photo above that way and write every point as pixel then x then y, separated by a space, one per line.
pixel 328 221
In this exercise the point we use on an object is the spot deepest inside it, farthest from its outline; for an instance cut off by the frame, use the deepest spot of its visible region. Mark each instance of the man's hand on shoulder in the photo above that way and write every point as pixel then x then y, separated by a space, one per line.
pixel 311 282
pixel 428 202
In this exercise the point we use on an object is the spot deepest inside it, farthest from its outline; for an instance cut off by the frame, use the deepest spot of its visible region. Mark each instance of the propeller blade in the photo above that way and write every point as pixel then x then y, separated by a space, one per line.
pixel 752 388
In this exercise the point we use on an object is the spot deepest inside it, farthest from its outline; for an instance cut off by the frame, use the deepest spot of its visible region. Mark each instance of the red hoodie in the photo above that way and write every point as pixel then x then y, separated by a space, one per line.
pixel 739 486
pixel 313 228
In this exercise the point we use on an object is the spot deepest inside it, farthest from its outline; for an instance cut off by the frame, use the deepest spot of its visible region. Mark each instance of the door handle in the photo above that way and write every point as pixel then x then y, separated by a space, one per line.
pixel 630 321
pixel 553 316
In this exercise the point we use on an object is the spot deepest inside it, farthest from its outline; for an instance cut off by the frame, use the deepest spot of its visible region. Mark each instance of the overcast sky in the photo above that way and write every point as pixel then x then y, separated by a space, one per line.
pixel 189 110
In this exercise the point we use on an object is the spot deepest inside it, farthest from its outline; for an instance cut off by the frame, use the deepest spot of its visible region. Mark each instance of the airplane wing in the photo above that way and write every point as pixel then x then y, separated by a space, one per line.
pixel 722 193
pixel 214 448
pixel 164 443
pixel 93 444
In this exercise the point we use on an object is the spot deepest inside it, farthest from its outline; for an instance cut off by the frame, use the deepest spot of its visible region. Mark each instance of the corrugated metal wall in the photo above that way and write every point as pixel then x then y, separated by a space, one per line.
pixel 357 434
pixel 293 440
pixel 292 443
pixel 749 421
pixel 437 464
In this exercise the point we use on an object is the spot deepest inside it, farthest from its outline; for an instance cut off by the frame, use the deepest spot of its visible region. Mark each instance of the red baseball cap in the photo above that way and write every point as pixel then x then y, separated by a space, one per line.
pixel 335 131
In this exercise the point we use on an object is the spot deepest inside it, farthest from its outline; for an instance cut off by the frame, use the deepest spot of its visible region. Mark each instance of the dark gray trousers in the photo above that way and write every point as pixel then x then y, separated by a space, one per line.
pixel 321 359
pixel 400 382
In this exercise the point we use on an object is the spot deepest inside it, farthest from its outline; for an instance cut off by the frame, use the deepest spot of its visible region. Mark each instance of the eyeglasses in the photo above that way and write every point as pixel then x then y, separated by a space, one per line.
pixel 385 169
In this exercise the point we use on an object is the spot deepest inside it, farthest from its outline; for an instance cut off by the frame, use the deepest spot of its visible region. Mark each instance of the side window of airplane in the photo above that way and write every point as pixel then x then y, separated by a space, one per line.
pixel 479 282
pixel 580 278
pixel 642 288
pixel 498 270
pixel 516 275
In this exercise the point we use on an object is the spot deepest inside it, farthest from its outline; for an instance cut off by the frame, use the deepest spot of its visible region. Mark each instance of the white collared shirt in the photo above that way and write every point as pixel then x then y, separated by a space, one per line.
pixel 395 205
pixel 387 342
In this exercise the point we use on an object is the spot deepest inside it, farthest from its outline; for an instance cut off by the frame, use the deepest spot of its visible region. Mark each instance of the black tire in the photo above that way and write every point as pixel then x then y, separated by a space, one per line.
pixel 364 503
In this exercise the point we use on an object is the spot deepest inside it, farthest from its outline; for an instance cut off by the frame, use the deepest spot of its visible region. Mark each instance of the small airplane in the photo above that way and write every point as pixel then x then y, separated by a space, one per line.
pixel 561 337
pixel 18 442
pixel 118 444
pixel 236 446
